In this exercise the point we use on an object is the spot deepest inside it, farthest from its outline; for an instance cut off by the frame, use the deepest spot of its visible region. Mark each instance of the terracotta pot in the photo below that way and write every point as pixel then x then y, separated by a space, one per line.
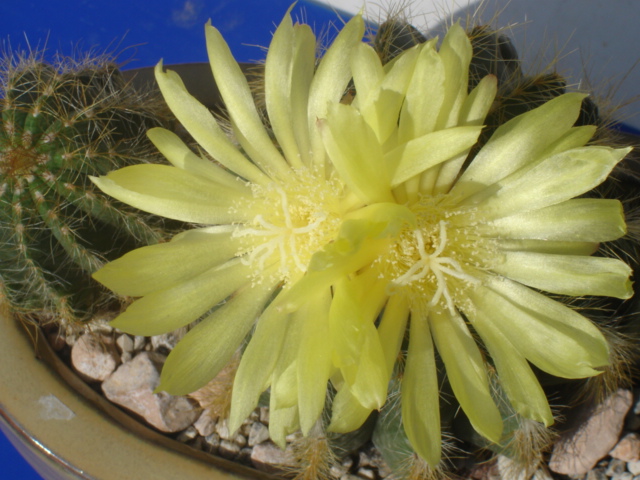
pixel 66 430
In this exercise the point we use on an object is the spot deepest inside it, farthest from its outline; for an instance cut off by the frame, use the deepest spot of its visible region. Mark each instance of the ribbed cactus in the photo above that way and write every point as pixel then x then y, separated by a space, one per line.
pixel 61 123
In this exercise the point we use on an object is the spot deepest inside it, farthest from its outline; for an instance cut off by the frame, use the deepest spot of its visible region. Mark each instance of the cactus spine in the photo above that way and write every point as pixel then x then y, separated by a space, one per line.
pixel 61 123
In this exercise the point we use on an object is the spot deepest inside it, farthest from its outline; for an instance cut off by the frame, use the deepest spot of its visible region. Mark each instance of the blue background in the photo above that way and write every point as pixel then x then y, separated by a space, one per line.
pixel 141 32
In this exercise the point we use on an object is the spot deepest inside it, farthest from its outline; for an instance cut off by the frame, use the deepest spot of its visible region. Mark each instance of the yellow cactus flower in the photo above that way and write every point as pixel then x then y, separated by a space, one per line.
pixel 478 246
pixel 325 236
pixel 265 207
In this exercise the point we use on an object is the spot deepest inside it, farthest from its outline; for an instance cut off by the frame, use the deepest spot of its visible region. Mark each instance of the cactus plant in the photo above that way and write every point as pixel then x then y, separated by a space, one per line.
pixel 311 219
pixel 60 123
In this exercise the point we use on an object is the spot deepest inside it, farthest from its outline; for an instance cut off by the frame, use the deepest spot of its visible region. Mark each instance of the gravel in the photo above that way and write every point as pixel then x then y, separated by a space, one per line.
pixel 252 447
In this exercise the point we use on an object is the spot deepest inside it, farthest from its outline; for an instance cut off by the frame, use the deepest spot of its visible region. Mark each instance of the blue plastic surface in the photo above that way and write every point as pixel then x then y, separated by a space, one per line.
pixel 14 467
pixel 142 33
pixel 145 32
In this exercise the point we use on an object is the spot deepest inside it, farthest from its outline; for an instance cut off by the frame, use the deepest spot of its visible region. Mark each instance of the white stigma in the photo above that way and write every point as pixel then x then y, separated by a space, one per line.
pixel 281 238
pixel 438 265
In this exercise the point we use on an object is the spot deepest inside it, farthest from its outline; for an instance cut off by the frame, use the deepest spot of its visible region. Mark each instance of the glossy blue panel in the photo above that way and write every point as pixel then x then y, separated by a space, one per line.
pixel 144 31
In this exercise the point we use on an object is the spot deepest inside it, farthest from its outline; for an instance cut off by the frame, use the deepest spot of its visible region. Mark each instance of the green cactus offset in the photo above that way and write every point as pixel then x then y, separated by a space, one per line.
pixel 60 123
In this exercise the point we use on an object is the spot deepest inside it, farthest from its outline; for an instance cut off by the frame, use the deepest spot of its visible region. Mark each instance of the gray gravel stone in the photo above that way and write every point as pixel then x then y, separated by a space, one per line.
pixel 367 473
pixel 223 430
pixel 205 424
pixel 264 416
pixel 616 467
pixel 125 346
pixel 94 357
pixel 244 456
pixel 596 474
pixel 167 341
pixel 337 471
pixel 268 457
pixel 258 433
pixel 634 467
pixel 139 342
pixel 212 442
pixel 187 435
pixel 131 386
pixel 240 440
pixel 542 474
pixel 228 449
pixel 623 476
pixel 71 339
pixel 594 434
pixel 125 343
pixel 628 448
pixel 512 470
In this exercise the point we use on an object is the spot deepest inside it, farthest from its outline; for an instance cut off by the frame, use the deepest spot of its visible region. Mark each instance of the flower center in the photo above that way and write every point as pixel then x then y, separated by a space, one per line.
pixel 435 262
pixel 437 265
pixel 291 223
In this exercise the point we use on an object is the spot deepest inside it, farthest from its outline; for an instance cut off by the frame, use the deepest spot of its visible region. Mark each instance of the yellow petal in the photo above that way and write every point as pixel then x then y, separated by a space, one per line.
pixel 574 275
pixel 473 112
pixel 392 329
pixel 421 393
pixel 157 267
pixel 314 360
pixel 284 383
pixel 580 219
pixel 380 109
pixel 547 246
pixel 420 112
pixel 173 193
pixel 416 156
pixel 331 80
pixel 477 104
pixel 519 142
pixel 239 102
pixel 466 373
pixel 282 422
pixel 552 181
pixel 284 380
pixel 347 413
pixel 550 335
pixel 356 153
pixel 367 71
pixel 574 138
pixel 455 53
pixel 181 156
pixel 203 127
pixel 357 348
pixel 169 309
pixel 209 346
pixel 288 73
pixel 258 362
pixel 302 73
pixel 515 375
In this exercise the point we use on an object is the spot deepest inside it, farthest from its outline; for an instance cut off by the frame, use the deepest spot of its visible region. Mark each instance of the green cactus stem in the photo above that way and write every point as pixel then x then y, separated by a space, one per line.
pixel 61 123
